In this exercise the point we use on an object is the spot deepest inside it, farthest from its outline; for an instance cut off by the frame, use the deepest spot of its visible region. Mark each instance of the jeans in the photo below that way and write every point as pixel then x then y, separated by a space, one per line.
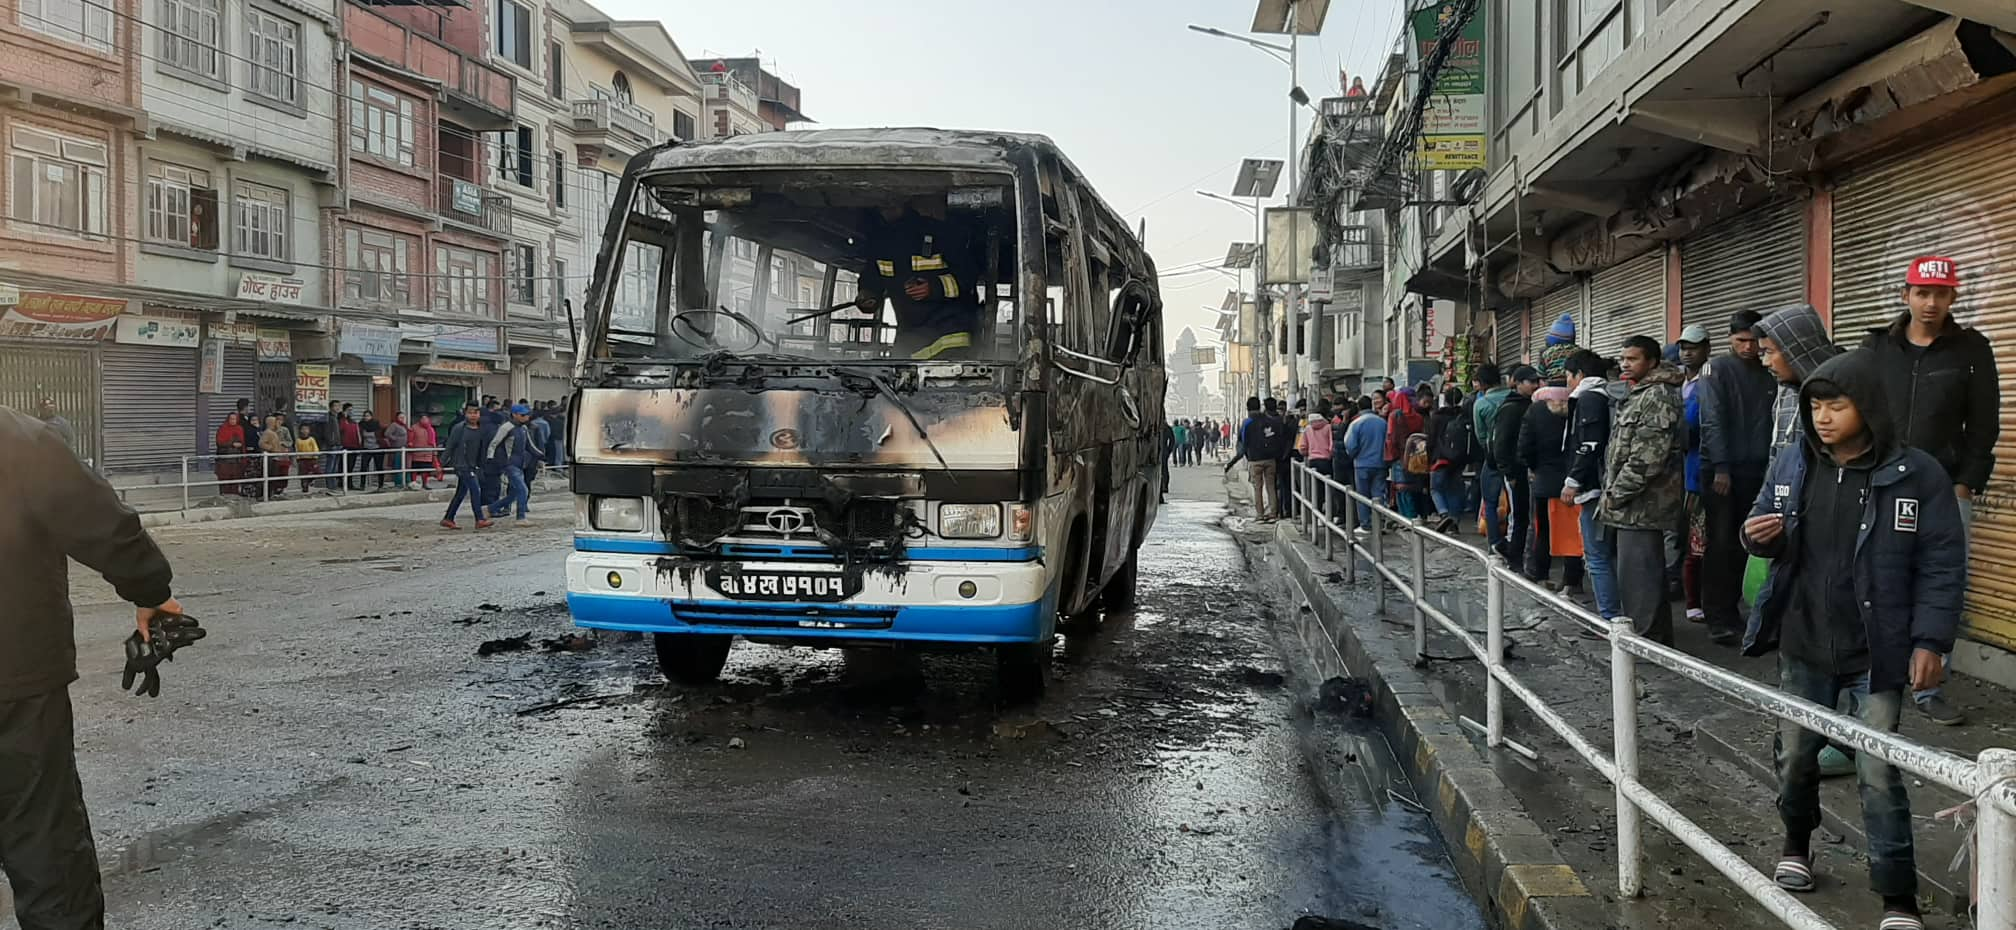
pixel 1447 488
pixel 1370 482
pixel 1489 484
pixel 1266 506
pixel 1640 556
pixel 1596 562
pixel 520 493
pixel 1723 563
pixel 332 465
pixel 469 484
pixel 1886 807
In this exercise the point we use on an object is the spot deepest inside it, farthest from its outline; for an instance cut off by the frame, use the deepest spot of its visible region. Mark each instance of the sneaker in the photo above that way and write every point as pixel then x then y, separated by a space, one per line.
pixel 1696 615
pixel 449 525
pixel 1942 713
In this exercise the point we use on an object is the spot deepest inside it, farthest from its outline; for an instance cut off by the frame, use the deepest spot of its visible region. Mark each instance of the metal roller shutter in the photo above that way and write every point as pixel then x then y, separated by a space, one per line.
pixel 1876 234
pixel 68 375
pixel 1756 261
pixel 354 390
pixel 150 407
pixel 1507 336
pixel 1625 300
pixel 241 380
pixel 1546 310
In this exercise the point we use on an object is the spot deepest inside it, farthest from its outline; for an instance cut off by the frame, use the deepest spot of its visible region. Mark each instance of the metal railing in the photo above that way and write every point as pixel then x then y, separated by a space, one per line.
pixel 200 480
pixel 1990 780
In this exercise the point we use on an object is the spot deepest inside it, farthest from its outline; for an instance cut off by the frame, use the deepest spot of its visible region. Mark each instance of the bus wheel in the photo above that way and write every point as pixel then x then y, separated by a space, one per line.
pixel 1023 670
pixel 1119 595
pixel 692 659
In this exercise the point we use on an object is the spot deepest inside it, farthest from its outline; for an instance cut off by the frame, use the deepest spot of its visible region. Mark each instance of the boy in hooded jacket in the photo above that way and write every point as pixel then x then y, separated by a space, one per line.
pixel 1868 574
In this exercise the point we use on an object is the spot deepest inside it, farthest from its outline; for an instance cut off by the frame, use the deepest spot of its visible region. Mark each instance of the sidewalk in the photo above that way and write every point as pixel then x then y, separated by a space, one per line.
pixel 1707 756
pixel 228 508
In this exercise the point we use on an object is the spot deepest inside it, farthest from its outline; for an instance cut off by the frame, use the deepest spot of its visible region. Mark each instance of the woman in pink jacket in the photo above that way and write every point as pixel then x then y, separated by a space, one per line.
pixel 422 460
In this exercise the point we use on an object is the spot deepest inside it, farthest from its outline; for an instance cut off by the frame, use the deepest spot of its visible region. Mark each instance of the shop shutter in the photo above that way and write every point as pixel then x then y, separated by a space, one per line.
pixel 1508 339
pixel 1756 261
pixel 241 380
pixel 150 407
pixel 354 390
pixel 1946 198
pixel 1566 299
pixel 1627 299
pixel 30 372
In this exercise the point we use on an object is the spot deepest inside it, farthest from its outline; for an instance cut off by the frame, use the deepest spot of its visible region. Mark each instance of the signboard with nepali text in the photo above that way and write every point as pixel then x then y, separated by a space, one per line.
pixel 275 345
pixel 210 368
pixel 61 316
pixel 271 288
pixel 159 330
pixel 311 390
pixel 1453 130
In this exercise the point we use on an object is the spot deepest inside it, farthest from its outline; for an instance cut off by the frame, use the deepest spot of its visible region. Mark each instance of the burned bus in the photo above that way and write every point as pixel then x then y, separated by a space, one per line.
pixel 856 388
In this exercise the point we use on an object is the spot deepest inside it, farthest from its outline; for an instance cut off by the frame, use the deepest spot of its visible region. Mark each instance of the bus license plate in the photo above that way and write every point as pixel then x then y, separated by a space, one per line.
pixel 780 585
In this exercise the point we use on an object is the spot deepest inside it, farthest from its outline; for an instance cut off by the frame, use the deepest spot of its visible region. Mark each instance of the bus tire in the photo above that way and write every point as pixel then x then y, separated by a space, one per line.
pixel 692 659
pixel 1023 671
pixel 1120 593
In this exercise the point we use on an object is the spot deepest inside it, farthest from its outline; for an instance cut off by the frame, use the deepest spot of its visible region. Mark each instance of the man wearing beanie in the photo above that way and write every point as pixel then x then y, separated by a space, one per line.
pixel 1553 361
pixel 1737 393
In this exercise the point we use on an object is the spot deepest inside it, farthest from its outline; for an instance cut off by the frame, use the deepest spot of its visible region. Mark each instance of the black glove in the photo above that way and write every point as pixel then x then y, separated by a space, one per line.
pixel 166 633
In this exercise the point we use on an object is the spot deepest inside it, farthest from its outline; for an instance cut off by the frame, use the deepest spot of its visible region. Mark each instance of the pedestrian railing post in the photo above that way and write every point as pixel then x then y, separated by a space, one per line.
pixel 1494 643
pixel 1995 847
pixel 1624 723
pixel 185 482
pixel 1378 538
pixel 1420 547
pixel 1350 539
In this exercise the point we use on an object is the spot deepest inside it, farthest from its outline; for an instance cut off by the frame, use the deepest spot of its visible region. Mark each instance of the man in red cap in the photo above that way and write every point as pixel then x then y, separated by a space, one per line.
pixel 1942 385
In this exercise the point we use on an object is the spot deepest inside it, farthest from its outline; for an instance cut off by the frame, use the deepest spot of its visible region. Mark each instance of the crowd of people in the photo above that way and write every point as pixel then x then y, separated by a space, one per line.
pixel 1832 489
pixel 1187 442
pixel 255 455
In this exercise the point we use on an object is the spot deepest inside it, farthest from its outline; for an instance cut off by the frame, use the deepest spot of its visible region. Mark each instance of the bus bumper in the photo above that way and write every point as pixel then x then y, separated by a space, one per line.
pixel 920 605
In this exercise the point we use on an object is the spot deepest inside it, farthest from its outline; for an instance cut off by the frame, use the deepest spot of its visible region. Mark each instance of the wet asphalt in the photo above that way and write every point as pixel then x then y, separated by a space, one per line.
pixel 337 755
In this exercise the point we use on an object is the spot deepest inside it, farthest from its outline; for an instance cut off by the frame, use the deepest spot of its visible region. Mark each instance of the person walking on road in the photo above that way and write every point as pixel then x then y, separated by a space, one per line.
pixel 1261 440
pixel 1940 377
pixel 463 450
pixel 1643 485
pixel 1737 393
pixel 1863 599
pixel 511 451
pixel 58 510
pixel 1592 399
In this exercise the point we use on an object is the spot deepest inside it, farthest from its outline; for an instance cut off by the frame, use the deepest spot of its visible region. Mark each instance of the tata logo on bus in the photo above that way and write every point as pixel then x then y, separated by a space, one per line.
pixel 785 439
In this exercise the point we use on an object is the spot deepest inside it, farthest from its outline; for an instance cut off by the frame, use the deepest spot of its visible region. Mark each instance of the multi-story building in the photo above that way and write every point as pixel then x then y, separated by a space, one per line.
pixel 1348 279
pixel 777 100
pixel 1651 164
pixel 731 107
pixel 238 162
pixel 70 112
pixel 422 234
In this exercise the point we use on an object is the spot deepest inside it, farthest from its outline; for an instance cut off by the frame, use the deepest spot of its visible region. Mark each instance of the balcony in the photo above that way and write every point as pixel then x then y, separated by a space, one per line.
pixel 613 128
pixel 481 97
pixel 469 204
pixel 1356 249
pixel 723 87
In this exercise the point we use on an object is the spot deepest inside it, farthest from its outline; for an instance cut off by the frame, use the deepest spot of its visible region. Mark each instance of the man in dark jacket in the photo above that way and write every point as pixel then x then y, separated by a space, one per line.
pixel 462 452
pixel 1505 460
pixel 1940 378
pixel 1449 448
pixel 1591 397
pixel 1868 574
pixel 59 510
pixel 1644 484
pixel 1545 452
pixel 1736 393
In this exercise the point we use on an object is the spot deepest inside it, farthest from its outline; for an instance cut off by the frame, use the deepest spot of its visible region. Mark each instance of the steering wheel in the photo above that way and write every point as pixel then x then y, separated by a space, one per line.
pixel 683 319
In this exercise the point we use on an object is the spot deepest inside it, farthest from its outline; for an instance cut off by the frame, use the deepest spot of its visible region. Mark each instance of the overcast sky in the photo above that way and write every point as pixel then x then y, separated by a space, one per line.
pixel 1147 109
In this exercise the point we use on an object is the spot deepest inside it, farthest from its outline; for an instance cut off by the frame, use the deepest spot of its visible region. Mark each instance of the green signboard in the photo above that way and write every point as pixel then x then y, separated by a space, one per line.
pixel 1453 128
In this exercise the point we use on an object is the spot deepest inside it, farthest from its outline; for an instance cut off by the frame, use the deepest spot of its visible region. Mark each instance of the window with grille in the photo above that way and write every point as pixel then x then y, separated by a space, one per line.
pixel 85 22
pixel 192 33
pixel 381 124
pixel 462 281
pixel 524 259
pixel 375 268
pixel 259 218
pixel 272 53
pixel 58 181
pixel 181 206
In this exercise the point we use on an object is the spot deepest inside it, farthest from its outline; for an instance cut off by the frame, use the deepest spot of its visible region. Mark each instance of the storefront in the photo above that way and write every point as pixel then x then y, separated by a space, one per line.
pixel 1756 261
pixel 549 380
pixel 1508 335
pixel 443 387
pixel 1945 197
pixel 49 349
pixel 149 390
pixel 1626 299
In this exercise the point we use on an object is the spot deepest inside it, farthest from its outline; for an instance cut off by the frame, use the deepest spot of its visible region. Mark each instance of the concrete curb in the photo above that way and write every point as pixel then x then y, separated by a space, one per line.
pixel 1507 862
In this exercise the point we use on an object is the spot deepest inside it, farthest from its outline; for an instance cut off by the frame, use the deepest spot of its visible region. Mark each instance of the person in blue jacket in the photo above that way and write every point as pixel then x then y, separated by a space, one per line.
pixel 1863 599
pixel 1365 447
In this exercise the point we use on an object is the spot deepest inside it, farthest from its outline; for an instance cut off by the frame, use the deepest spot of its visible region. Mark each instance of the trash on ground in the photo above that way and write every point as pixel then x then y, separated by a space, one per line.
pixel 1255 678
pixel 572 642
pixel 519 643
pixel 1342 695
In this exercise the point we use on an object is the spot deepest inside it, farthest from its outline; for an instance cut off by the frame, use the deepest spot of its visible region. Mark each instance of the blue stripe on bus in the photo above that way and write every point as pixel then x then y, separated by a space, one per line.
pixel 916 554
pixel 935 623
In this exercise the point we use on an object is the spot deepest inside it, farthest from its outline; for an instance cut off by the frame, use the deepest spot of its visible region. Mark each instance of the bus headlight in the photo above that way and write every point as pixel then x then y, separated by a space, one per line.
pixel 969 521
pixel 618 514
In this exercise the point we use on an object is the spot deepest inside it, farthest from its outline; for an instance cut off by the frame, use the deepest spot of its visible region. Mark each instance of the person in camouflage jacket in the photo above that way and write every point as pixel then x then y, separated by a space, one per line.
pixel 1644 484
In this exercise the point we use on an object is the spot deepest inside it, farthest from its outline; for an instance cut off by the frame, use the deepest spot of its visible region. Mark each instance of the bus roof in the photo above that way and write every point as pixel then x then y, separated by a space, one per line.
pixel 970 149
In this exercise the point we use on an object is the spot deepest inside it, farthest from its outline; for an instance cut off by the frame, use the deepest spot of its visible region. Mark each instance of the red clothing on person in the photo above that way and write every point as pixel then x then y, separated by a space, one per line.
pixel 1402 422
